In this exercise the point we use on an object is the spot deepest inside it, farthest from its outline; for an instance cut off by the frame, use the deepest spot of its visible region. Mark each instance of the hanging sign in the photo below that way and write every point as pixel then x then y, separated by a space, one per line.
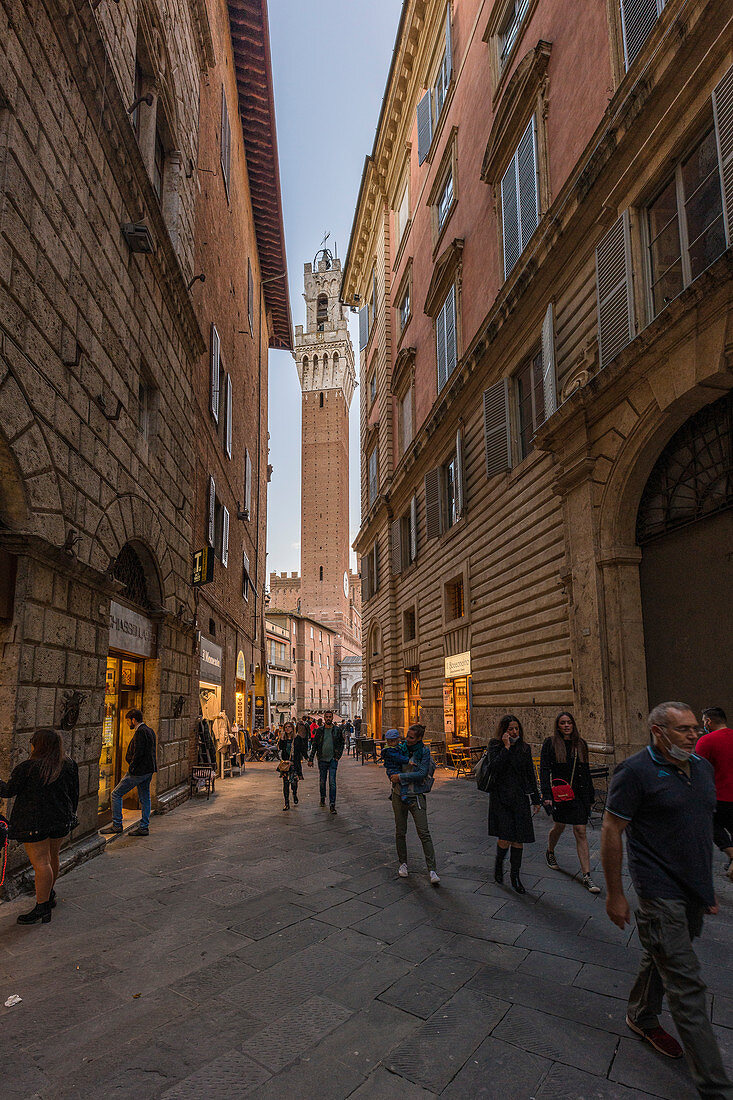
pixel 458 665
pixel 203 566
pixel 211 654
pixel 259 712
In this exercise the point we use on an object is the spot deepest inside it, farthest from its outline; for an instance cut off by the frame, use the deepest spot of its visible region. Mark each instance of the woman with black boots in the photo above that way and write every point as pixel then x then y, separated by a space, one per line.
pixel 291 751
pixel 513 784
pixel 46 793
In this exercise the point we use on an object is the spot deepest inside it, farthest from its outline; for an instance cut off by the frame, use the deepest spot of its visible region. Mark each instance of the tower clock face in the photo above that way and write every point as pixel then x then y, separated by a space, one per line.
pixel 346 585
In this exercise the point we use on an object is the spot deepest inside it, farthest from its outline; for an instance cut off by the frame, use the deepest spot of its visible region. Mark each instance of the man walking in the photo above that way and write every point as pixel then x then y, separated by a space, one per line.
pixel 663 798
pixel 327 745
pixel 716 745
pixel 142 766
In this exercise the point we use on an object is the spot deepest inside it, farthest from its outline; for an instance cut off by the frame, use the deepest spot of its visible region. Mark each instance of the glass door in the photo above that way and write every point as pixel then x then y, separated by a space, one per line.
pixel 462 713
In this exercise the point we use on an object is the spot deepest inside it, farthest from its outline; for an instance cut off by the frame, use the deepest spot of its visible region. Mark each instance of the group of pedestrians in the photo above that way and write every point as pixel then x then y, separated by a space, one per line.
pixel 321 741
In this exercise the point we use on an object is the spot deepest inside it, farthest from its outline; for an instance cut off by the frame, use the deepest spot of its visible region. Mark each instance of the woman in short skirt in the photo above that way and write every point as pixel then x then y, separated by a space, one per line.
pixel 514 783
pixel 565 756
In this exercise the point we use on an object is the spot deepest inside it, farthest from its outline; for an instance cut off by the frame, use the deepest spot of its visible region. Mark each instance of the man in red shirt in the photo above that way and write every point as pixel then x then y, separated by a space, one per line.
pixel 716 745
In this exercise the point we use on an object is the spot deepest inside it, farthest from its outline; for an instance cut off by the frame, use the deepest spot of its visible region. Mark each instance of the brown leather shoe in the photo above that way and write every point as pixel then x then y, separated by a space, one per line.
pixel 657 1037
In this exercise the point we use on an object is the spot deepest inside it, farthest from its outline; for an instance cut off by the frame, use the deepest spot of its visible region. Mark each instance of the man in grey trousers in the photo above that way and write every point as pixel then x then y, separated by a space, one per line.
pixel 664 799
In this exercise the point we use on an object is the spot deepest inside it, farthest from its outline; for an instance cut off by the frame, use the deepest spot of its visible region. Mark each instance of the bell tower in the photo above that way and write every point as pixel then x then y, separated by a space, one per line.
pixel 325 360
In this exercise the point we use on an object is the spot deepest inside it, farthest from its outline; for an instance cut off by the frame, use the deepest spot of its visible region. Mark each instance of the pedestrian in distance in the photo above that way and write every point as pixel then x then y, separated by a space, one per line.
pixel 567 791
pixel 348 729
pixel 142 766
pixel 716 745
pixel 46 793
pixel 357 725
pixel 513 784
pixel 663 799
pixel 327 746
pixel 290 747
pixel 300 738
pixel 410 768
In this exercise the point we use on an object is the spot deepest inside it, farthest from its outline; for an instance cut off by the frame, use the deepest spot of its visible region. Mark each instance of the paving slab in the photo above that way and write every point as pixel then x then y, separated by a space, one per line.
pixel 558 1039
pixel 498 1071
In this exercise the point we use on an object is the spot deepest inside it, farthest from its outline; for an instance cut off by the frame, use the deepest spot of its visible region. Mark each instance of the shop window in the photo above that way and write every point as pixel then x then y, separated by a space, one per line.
pixel 685 224
pixel 409 625
pixel 454 600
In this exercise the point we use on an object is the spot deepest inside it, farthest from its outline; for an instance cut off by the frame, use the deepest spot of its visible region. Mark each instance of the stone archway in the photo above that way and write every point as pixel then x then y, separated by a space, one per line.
pixel 130 519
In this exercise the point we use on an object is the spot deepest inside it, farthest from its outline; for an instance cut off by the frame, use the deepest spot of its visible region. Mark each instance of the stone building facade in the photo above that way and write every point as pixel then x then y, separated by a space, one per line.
pixel 281 660
pixel 100 346
pixel 243 309
pixel 314 669
pixel 545 287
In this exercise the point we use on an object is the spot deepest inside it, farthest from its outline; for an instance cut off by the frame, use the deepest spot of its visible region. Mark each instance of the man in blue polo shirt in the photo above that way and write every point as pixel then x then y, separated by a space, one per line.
pixel 664 798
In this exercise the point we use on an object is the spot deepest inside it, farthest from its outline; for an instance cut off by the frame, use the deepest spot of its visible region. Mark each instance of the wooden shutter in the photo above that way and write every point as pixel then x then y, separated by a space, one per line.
pixel 228 384
pixel 723 114
pixel 225 537
pixel 247 483
pixel 366 581
pixel 375 567
pixel 250 297
pixel 413 529
pixel 433 525
pixel 450 332
pixel 448 47
pixel 637 20
pixel 529 206
pixel 614 290
pixel 245 574
pixel 510 217
pixel 396 546
pixel 363 327
pixel 211 528
pixel 460 495
pixel 549 380
pixel 424 127
pixel 497 436
pixel 226 141
pixel 440 348
pixel 215 372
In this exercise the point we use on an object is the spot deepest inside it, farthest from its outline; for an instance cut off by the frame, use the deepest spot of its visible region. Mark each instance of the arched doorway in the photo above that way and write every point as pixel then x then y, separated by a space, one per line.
pixel 685 532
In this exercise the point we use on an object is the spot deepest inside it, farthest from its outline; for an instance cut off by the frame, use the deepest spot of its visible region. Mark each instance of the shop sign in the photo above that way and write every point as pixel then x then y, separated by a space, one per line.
pixel 449 718
pixel 259 712
pixel 458 665
pixel 203 566
pixel 211 655
pixel 241 666
pixel 131 632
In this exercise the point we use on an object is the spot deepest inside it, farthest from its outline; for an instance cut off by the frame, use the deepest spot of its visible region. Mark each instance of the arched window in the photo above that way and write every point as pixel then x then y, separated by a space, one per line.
pixel 134 569
pixel 322 311
pixel 335 362
pixel 320 573
pixel 305 364
pixel 321 401
pixel 315 364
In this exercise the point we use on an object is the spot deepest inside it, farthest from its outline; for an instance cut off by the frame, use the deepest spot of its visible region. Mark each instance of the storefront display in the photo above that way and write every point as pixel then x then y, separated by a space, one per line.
pixel 457 697
pixel 210 655
pixel 412 678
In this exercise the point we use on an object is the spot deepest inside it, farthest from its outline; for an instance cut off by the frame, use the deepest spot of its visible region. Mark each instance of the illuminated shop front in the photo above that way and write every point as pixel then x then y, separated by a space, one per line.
pixel 457 697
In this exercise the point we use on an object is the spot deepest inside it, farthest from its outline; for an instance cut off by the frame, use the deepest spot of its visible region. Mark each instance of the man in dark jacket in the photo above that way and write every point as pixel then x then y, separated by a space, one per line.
pixel 327 745
pixel 142 765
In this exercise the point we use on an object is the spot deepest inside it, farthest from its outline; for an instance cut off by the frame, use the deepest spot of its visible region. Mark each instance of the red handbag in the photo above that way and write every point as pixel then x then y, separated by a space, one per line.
pixel 562 791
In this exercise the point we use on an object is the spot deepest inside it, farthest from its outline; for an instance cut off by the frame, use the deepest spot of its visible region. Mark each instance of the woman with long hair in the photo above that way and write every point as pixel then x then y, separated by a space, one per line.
pixel 564 757
pixel 291 751
pixel 46 793
pixel 513 784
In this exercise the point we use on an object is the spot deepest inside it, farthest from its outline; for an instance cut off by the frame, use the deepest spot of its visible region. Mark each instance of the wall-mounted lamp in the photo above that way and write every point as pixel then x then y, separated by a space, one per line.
pixel 147 98
pixel 197 279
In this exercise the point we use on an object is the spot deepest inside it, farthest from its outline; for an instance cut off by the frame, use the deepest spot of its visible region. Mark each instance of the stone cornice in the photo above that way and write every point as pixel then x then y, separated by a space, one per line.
pixel 85 52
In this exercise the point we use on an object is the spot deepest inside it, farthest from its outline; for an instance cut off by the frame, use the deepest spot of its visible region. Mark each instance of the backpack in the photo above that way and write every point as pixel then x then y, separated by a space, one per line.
pixel 430 777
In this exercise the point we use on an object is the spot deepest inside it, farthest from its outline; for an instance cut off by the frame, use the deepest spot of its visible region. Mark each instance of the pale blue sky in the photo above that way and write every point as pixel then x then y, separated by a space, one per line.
pixel 330 60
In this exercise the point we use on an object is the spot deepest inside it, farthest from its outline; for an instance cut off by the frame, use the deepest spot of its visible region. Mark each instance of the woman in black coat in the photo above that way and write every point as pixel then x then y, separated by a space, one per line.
pixel 291 749
pixel 565 756
pixel 513 782
pixel 46 793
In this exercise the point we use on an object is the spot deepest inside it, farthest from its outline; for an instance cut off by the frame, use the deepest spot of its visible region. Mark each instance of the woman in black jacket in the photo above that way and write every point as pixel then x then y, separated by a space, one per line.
pixel 46 793
pixel 291 749
pixel 513 782
pixel 565 756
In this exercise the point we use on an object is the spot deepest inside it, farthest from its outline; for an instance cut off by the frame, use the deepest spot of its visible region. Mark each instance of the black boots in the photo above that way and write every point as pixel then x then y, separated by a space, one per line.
pixel 515 861
pixel 40 912
pixel 499 864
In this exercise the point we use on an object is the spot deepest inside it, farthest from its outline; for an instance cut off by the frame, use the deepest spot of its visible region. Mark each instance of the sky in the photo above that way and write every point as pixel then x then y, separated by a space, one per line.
pixel 330 64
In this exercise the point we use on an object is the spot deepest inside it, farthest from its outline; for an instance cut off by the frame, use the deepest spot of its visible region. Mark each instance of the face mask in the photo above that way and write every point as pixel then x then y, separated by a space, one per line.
pixel 513 738
pixel 683 755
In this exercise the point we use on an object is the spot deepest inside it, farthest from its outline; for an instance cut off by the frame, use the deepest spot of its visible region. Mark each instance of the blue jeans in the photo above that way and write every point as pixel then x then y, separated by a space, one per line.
pixel 127 784
pixel 327 770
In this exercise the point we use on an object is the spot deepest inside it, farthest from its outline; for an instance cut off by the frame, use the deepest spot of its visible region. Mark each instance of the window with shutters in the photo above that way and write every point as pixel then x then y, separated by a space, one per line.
pixel 372 385
pixel 685 224
pixel 510 27
pixel 430 107
pixel 638 19
pixel 402 212
pixel 529 402
pixel 215 373
pixel 247 485
pixel 520 203
pixel 451 493
pixel 404 419
pixel 445 337
pixel 373 473
pixel 508 20
pixel 403 308
pixel 455 606
pixel 226 142
pixel 228 413
pixel 444 204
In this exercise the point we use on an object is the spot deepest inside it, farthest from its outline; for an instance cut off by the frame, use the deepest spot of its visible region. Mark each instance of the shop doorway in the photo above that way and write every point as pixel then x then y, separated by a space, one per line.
pixel 412 696
pixel 685 531
pixel 377 699
pixel 123 691
pixel 457 708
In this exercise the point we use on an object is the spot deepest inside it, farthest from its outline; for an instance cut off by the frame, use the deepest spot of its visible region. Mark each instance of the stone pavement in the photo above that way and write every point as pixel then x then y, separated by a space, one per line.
pixel 242 951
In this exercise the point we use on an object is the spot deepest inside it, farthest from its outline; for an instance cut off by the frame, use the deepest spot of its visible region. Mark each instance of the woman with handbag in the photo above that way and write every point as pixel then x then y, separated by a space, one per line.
pixel 289 767
pixel 46 793
pixel 512 783
pixel 567 791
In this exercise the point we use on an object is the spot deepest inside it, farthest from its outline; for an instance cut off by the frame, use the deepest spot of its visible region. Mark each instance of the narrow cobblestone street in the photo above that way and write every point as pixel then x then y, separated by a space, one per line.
pixel 240 951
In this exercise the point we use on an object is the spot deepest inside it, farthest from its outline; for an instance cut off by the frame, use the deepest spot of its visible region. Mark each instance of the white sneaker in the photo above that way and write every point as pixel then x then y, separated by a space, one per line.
pixel 434 880
pixel 590 885
pixel 402 871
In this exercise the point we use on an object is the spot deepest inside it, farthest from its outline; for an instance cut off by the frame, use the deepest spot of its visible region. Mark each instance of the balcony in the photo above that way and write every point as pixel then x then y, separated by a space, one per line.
pixel 281 699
